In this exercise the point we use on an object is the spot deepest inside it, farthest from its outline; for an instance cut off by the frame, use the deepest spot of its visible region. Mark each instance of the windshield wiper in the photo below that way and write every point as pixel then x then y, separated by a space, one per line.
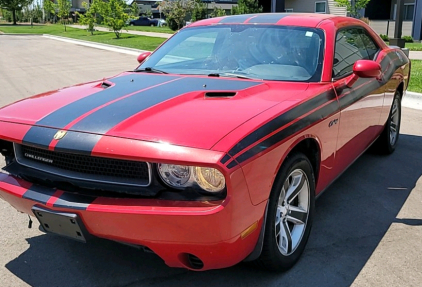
pixel 151 70
pixel 231 75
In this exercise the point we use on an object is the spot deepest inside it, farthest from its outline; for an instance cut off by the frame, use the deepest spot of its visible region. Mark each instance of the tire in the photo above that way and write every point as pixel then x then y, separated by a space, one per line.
pixel 290 214
pixel 387 141
pixel 132 25
pixel 152 25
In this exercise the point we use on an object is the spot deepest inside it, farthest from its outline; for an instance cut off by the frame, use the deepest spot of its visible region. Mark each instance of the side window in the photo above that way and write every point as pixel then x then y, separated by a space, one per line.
pixel 369 44
pixel 349 49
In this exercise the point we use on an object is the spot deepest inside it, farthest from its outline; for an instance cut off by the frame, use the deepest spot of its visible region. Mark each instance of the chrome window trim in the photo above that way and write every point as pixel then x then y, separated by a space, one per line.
pixel 71 174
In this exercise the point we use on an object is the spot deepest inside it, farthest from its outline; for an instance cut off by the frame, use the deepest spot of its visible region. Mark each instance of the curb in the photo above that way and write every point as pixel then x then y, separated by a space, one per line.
pixel 18 34
pixel 123 50
pixel 412 100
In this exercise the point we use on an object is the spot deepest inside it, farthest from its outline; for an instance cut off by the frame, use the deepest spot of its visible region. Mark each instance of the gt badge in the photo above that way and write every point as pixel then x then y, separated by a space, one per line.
pixel 59 135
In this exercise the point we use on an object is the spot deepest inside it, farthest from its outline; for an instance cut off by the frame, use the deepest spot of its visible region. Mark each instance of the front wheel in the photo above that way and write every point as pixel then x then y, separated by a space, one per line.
pixel 388 139
pixel 290 212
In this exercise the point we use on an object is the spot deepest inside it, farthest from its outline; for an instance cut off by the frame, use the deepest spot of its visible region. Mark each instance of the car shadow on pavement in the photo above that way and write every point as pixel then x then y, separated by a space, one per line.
pixel 352 217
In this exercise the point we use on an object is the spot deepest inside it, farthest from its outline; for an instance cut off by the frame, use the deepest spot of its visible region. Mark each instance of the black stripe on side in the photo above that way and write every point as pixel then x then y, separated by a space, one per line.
pixel 236 19
pixel 82 143
pixel 39 136
pixel 123 86
pixel 39 194
pixel 106 118
pixel 354 95
pixel 316 116
pixel 389 64
pixel 225 159
pixel 74 201
pixel 267 18
pixel 282 120
pixel 232 164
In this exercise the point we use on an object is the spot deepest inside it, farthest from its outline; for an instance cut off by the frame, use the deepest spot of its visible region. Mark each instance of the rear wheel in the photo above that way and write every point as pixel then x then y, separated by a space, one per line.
pixel 387 141
pixel 290 213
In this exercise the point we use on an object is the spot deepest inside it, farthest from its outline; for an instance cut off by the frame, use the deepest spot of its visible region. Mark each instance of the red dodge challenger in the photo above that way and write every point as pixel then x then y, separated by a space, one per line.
pixel 214 149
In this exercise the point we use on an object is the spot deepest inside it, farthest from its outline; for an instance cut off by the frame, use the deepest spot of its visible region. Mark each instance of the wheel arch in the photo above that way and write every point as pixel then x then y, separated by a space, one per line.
pixel 311 148
pixel 400 89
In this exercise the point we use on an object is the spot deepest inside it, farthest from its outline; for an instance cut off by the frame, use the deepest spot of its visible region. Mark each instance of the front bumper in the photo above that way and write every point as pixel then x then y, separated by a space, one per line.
pixel 211 231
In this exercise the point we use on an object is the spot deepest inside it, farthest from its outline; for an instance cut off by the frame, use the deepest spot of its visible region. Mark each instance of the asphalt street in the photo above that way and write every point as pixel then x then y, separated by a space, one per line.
pixel 367 230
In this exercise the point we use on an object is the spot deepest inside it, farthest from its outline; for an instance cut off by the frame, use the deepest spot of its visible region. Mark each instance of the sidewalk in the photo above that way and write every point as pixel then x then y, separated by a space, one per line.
pixel 133 32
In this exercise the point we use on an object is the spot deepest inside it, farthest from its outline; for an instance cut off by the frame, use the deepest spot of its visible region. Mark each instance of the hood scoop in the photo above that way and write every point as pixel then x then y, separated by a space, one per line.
pixel 220 94
pixel 104 85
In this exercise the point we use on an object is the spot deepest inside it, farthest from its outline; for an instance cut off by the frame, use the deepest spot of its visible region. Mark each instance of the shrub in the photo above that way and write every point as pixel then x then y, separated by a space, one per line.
pixel 407 39
pixel 365 19
pixel 172 23
pixel 384 37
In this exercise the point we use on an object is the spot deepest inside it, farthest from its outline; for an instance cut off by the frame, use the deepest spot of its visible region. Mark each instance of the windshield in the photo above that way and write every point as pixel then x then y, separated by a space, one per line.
pixel 267 52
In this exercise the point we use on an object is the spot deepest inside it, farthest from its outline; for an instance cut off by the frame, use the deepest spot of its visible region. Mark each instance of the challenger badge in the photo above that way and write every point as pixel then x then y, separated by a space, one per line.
pixel 59 135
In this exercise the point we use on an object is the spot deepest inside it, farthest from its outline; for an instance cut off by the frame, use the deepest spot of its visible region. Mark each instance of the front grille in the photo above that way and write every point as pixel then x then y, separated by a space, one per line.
pixel 85 167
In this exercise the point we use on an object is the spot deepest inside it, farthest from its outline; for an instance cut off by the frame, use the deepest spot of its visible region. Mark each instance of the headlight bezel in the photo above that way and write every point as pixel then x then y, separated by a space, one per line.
pixel 191 183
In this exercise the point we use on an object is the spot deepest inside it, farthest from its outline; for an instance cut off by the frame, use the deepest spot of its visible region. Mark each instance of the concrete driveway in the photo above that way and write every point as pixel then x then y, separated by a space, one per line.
pixel 367 230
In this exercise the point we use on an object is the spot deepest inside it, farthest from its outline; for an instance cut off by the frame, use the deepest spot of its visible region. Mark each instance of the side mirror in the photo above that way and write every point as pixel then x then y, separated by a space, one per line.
pixel 143 56
pixel 364 69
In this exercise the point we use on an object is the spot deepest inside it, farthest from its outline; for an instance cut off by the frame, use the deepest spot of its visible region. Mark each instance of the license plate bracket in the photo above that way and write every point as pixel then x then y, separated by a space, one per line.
pixel 61 223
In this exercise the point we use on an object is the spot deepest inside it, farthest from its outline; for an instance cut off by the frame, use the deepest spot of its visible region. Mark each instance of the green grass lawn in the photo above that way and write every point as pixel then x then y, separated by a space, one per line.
pixel 151 29
pixel 411 46
pixel 415 84
pixel 126 40
pixel 414 46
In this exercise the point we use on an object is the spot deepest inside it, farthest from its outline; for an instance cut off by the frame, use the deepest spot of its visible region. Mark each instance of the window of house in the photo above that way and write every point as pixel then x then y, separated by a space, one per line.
pixel 408 12
pixel 320 7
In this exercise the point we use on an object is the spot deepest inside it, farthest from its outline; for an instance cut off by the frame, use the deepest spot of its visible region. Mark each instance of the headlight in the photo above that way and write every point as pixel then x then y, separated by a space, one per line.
pixel 178 176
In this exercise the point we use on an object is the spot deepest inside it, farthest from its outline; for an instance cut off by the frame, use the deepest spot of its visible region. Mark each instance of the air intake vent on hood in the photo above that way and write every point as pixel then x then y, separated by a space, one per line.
pixel 220 94
pixel 105 85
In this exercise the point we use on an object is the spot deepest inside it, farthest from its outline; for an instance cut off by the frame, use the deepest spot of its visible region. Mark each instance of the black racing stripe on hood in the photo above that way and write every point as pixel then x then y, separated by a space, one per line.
pixel 82 143
pixel 123 86
pixel 39 136
pixel 282 120
pixel 235 19
pixel 74 201
pixel 267 18
pixel 39 193
pixel 108 117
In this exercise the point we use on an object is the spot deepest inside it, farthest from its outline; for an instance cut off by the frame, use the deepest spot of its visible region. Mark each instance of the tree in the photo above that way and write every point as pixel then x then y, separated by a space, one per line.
pixel 134 9
pixel 218 12
pixel 63 10
pixel 353 6
pixel 14 6
pixel 90 17
pixel 48 7
pixel 247 7
pixel 176 12
pixel 113 15
pixel 199 11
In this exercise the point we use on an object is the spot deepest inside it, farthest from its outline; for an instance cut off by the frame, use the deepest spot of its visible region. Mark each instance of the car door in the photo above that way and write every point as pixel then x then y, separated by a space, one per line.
pixel 361 104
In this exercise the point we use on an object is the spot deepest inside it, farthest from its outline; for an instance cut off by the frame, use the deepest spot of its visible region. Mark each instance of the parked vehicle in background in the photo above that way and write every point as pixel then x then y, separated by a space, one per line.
pixel 144 21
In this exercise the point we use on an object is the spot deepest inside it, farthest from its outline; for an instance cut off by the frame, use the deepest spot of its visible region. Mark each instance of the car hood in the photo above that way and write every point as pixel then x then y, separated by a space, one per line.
pixel 194 111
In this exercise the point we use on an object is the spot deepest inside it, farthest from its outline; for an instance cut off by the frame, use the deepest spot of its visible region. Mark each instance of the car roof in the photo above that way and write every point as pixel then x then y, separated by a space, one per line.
pixel 288 19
